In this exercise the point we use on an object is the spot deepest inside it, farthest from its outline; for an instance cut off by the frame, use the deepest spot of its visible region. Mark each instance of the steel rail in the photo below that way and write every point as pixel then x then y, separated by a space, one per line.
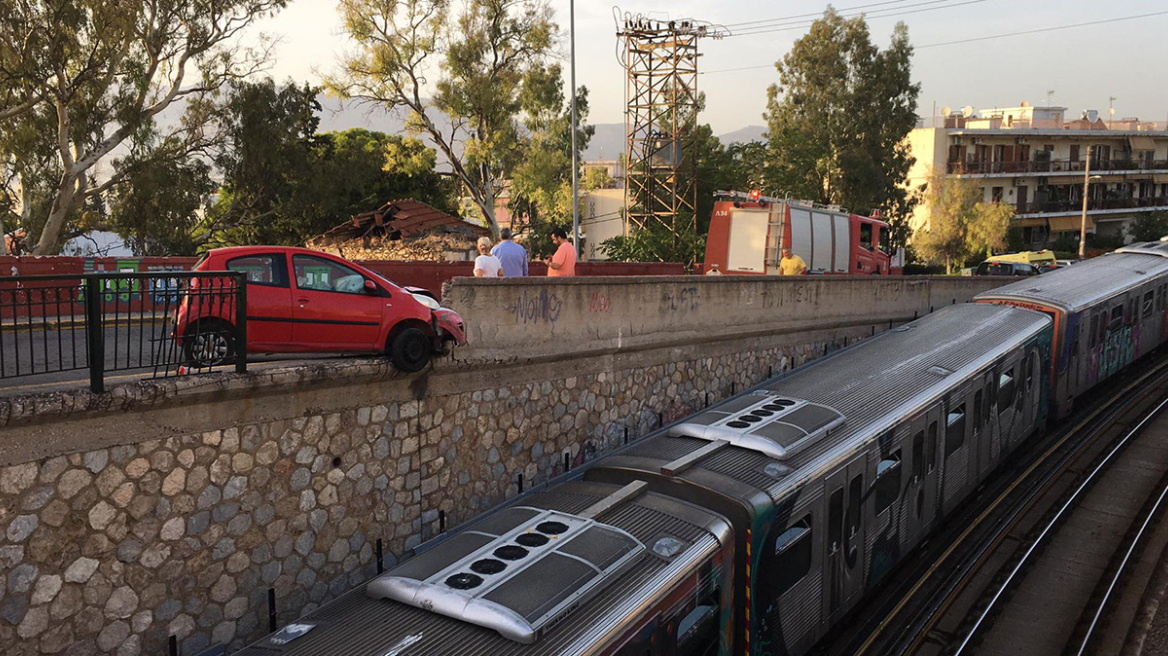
pixel 1006 494
pixel 1136 541
pixel 1050 525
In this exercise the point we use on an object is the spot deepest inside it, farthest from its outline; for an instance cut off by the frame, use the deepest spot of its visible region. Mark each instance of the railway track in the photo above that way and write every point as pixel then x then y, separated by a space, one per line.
pixel 1054 555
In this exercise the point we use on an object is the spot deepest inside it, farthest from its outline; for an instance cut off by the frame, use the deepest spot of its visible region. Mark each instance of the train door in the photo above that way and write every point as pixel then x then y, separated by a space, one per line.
pixel 960 456
pixel 921 494
pixel 1149 321
pixel 844 546
pixel 1006 406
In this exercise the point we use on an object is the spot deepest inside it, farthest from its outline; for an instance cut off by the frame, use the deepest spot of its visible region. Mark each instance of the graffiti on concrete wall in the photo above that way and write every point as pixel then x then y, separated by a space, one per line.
pixel 598 302
pixel 533 308
pixel 685 299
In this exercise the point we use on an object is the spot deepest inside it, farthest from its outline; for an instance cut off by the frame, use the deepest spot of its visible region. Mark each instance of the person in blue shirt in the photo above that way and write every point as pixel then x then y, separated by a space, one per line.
pixel 512 255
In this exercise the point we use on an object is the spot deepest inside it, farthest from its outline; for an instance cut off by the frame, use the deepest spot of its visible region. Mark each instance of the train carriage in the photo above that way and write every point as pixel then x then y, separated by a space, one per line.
pixel 584 568
pixel 1107 312
pixel 844 466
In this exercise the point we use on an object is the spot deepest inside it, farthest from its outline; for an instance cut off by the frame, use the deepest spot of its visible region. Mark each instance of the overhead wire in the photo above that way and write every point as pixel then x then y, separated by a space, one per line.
pixel 812 14
pixel 981 38
pixel 892 13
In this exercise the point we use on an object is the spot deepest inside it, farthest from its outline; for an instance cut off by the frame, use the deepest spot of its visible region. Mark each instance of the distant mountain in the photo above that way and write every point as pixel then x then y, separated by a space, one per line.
pixel 744 135
pixel 608 142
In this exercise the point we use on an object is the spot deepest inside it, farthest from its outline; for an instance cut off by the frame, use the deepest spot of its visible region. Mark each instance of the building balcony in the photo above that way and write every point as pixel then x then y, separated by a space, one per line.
pixel 1093 205
pixel 1056 166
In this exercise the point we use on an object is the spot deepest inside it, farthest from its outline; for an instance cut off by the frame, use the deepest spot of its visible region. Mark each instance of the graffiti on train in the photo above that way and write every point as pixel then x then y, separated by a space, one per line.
pixel 535 308
pixel 1117 351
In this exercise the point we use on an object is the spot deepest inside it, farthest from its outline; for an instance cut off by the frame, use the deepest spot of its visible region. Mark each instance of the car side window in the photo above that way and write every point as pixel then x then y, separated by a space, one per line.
pixel 266 269
pixel 319 274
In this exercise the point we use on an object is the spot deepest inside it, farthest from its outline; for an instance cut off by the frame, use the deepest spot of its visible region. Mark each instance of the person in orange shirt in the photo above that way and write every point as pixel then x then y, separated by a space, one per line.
pixel 563 263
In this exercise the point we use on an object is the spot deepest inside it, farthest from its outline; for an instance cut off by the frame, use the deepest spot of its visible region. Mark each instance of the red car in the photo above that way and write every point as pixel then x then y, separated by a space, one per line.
pixel 301 300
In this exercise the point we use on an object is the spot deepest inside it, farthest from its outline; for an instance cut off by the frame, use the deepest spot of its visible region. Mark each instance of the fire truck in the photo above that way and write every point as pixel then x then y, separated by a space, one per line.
pixel 749 231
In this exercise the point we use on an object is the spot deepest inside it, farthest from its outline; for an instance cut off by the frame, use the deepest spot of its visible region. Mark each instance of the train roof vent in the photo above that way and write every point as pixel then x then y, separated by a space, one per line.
pixel 776 426
pixel 516 573
pixel 1159 248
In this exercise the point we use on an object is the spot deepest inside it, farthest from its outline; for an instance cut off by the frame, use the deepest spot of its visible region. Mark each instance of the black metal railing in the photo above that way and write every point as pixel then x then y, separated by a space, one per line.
pixel 977 167
pixel 159 324
pixel 1093 204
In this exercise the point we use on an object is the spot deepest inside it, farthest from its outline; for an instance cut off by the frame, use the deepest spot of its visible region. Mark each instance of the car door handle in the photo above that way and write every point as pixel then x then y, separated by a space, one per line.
pixel 302 301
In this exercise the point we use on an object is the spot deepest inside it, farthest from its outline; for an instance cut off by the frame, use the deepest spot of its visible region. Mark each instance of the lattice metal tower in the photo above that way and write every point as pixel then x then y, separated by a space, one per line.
pixel 661 118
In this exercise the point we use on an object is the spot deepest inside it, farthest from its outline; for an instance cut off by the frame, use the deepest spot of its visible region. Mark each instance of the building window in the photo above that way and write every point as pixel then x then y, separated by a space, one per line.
pixel 996 194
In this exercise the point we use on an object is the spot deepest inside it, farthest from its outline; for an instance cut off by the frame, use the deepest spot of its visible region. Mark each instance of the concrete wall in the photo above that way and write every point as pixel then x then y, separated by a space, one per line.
pixel 526 319
pixel 171 507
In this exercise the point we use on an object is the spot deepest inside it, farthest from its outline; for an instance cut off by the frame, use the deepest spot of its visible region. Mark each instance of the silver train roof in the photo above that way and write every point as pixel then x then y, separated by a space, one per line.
pixel 1087 283
pixel 633 547
pixel 858 393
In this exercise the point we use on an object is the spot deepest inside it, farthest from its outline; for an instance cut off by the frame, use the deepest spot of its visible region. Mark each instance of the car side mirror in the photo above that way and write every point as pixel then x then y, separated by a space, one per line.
pixel 371 287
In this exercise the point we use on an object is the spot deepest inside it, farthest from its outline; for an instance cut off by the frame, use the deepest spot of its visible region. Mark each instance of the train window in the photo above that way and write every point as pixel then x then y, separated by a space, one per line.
pixel 1005 390
pixel 697 632
pixel 1148 303
pixel 1031 361
pixel 1133 310
pixel 931 446
pixel 835 522
pixel 918 456
pixel 955 430
pixel 887 481
pixel 1116 317
pixel 977 411
pixel 855 498
pixel 793 555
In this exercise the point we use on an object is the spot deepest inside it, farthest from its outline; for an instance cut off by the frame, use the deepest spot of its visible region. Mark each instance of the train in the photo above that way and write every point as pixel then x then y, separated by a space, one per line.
pixel 756 525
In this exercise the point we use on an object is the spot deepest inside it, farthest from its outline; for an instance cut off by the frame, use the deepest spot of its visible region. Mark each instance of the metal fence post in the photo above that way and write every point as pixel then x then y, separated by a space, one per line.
pixel 94 333
pixel 241 323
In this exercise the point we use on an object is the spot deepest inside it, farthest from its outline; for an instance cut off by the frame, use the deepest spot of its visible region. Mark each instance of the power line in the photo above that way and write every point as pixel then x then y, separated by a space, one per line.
pixel 784 19
pixel 1044 29
pixel 895 13
pixel 980 38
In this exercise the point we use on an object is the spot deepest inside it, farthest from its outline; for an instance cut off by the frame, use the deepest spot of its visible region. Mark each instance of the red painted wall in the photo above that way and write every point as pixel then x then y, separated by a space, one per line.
pixel 427 275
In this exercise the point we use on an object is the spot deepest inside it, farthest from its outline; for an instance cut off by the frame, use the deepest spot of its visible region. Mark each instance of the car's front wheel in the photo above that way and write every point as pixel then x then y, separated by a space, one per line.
pixel 410 350
pixel 209 343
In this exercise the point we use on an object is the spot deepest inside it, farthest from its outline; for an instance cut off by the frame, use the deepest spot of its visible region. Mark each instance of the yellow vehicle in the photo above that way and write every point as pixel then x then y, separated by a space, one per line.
pixel 1034 258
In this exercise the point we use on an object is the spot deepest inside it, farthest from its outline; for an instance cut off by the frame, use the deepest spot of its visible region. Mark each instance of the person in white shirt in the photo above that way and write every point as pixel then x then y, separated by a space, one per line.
pixel 487 265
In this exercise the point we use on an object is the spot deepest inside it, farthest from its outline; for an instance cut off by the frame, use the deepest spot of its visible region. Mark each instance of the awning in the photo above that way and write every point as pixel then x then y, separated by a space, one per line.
pixel 1141 143
pixel 1065 180
pixel 1069 223
pixel 1032 222
pixel 1160 178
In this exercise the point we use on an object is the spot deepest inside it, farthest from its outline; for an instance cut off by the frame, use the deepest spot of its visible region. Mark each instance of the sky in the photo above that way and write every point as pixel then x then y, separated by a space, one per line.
pixel 1084 67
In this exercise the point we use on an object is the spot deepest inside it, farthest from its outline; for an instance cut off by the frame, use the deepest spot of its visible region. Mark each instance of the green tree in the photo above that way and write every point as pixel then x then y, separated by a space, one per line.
pixel 156 206
pixel 487 53
pixel 100 71
pixel 838 118
pixel 284 183
pixel 541 184
pixel 1149 227
pixel 961 225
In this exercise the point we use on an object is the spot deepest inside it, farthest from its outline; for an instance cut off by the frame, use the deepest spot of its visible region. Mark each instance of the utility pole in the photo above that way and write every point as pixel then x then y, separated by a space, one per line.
pixel 1083 222
pixel 575 155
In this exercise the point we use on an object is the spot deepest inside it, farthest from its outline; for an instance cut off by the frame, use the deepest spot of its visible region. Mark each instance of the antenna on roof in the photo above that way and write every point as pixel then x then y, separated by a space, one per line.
pixel 967 111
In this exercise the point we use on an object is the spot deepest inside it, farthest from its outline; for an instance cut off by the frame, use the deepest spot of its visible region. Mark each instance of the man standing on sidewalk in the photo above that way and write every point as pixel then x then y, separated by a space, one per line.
pixel 563 263
pixel 512 255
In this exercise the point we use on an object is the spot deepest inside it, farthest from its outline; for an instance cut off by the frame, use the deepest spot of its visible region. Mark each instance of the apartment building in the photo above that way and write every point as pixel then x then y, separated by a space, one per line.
pixel 1035 159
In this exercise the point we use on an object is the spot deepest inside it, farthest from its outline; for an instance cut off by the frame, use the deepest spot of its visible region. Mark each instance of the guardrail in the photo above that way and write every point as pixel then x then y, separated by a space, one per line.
pixel 122 322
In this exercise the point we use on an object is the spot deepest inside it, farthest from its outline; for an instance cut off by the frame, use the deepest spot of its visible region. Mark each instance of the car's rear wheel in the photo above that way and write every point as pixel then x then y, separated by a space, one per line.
pixel 209 343
pixel 410 350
